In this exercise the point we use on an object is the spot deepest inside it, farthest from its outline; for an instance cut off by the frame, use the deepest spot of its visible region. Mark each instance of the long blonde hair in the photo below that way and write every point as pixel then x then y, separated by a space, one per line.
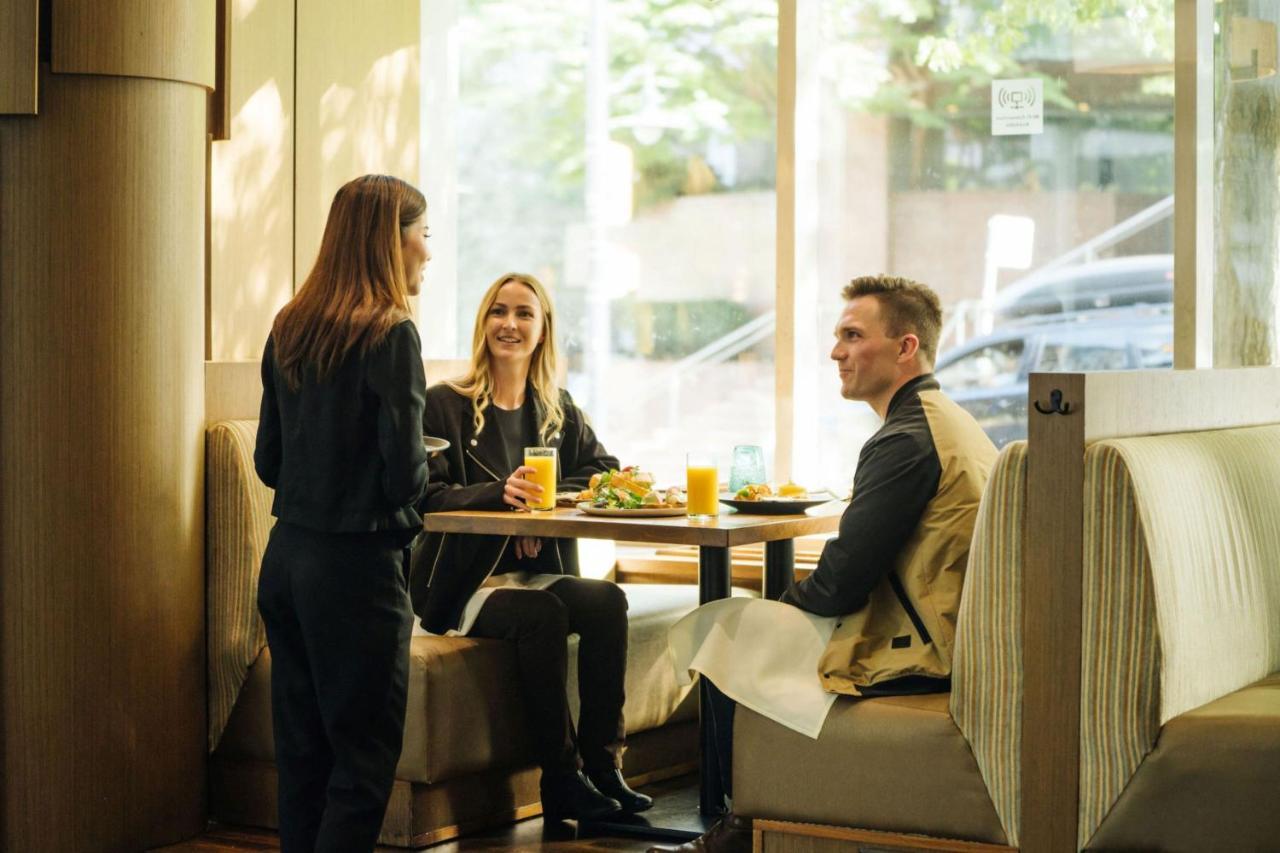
pixel 357 291
pixel 477 383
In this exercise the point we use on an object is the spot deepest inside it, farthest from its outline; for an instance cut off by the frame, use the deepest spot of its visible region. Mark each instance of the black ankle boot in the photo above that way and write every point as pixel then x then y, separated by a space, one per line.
pixel 611 784
pixel 571 796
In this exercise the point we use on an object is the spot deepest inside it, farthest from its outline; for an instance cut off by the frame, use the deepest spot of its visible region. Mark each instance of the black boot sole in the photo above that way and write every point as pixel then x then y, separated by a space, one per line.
pixel 641 808
pixel 559 817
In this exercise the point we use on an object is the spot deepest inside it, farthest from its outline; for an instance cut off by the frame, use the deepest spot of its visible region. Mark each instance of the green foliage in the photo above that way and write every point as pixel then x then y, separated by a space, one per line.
pixel 917 58
pixel 694 72
pixel 686 71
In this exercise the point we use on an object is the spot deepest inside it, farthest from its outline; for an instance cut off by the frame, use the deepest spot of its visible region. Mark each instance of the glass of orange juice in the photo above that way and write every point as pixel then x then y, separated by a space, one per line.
pixel 702 486
pixel 543 462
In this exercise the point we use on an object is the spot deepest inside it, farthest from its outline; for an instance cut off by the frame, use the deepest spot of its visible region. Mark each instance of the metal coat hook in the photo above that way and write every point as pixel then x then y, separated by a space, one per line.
pixel 1056 406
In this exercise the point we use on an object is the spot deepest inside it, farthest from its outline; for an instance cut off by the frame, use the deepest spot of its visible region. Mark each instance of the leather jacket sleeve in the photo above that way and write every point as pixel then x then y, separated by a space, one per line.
pixel 587 453
pixel 445 482
pixel 268 449
pixel 395 374
pixel 895 480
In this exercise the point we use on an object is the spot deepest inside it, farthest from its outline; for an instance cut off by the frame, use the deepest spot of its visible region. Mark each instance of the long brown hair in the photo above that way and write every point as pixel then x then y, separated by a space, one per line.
pixel 478 381
pixel 356 292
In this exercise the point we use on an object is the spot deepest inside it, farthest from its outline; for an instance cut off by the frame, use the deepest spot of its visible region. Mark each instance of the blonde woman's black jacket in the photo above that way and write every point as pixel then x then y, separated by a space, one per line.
pixel 345 455
pixel 449 567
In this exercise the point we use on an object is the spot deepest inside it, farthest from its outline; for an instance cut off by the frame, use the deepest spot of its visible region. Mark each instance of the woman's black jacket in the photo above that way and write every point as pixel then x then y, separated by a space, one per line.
pixel 449 567
pixel 345 454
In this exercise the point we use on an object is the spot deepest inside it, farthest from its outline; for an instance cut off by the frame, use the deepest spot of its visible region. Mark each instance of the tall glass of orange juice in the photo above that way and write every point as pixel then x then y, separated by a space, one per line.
pixel 543 462
pixel 702 486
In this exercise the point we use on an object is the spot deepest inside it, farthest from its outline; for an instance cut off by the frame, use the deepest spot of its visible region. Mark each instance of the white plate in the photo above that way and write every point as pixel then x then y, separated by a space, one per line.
pixel 642 512
pixel 433 444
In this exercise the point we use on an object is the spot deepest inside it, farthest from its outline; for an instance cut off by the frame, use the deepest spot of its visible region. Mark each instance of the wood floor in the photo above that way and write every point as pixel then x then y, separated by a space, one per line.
pixel 526 835
pixel 529 835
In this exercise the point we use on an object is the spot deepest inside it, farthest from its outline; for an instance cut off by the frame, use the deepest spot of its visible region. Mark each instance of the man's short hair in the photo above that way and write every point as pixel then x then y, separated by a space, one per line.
pixel 908 306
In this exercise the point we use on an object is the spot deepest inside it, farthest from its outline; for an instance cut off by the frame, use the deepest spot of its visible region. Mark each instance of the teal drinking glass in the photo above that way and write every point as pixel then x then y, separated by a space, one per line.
pixel 747 467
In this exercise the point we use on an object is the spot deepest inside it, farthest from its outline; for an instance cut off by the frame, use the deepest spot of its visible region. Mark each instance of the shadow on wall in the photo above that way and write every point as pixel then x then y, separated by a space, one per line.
pixel 251 184
pixel 357 106
pixel 252 225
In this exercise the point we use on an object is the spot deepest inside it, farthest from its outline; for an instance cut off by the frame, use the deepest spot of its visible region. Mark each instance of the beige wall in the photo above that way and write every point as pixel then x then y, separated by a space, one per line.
pixel 931 234
pixel 358 104
pixel 354 110
pixel 251 183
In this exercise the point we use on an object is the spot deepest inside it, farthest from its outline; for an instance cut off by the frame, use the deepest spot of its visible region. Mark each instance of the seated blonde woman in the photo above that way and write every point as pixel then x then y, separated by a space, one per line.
pixel 527 590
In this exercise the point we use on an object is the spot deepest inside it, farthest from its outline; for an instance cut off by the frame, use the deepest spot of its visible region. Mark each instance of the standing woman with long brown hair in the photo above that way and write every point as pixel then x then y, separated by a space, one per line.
pixel 340 441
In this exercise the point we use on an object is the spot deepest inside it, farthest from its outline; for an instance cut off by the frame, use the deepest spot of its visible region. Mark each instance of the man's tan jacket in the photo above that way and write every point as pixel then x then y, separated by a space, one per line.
pixel 897 567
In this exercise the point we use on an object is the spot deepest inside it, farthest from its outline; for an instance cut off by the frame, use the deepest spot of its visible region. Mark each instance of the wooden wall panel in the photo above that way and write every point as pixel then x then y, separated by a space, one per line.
pixel 1051 600
pixel 1130 402
pixel 102 671
pixel 233 389
pixel 220 97
pixel 358 104
pixel 251 218
pixel 19 46
pixel 169 40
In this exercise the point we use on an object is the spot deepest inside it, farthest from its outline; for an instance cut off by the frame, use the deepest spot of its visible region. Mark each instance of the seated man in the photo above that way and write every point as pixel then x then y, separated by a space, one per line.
pixel 880 609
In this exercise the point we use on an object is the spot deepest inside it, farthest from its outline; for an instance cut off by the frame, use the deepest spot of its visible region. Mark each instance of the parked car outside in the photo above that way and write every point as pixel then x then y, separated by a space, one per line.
pixel 1110 283
pixel 988 375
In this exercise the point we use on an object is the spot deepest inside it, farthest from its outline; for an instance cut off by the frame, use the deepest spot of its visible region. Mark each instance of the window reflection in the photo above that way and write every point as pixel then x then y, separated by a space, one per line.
pixel 1246 301
pixel 1070 226
pixel 624 154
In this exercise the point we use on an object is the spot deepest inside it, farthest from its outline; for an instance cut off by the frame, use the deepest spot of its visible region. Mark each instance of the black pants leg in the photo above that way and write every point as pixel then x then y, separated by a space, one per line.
pixel 338 624
pixel 722 710
pixel 539 623
pixel 598 615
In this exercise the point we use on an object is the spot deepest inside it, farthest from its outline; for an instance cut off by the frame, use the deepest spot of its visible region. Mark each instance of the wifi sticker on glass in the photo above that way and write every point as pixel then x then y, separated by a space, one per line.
pixel 1017 107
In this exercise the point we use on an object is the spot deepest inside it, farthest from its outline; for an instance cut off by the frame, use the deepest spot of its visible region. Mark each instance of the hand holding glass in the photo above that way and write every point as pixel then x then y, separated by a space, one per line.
pixel 543 462
pixel 702 486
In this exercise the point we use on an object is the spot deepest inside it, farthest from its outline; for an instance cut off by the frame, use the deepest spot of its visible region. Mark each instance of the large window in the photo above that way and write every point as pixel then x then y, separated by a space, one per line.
pixel 1246 294
pixel 1053 225
pixel 623 153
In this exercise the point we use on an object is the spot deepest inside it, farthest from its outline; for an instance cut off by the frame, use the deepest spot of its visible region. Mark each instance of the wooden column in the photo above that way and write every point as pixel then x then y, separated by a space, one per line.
pixel 1194 188
pixel 18 64
pixel 102 686
pixel 1051 599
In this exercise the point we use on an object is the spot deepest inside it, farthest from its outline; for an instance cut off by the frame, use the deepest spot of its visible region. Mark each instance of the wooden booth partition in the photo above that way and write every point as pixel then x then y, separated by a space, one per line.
pixel 19 65
pixel 102 685
pixel 1068 411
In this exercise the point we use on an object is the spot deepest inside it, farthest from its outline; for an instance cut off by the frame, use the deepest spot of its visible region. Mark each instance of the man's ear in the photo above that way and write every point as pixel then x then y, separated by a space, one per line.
pixel 908 348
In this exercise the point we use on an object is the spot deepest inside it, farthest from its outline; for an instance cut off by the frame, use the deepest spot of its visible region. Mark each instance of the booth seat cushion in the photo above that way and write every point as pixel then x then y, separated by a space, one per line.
pixel 1211 782
pixel 464 709
pixel 986 674
pixel 238 508
pixel 1181 583
pixel 896 764
pixel 1120 649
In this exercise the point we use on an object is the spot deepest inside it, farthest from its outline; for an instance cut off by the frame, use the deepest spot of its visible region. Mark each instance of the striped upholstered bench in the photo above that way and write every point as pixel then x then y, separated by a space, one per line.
pixel 886 770
pixel 459 770
pixel 1179 737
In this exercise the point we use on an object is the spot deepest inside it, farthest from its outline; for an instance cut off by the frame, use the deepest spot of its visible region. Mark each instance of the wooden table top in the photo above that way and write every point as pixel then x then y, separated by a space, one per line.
pixel 726 530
